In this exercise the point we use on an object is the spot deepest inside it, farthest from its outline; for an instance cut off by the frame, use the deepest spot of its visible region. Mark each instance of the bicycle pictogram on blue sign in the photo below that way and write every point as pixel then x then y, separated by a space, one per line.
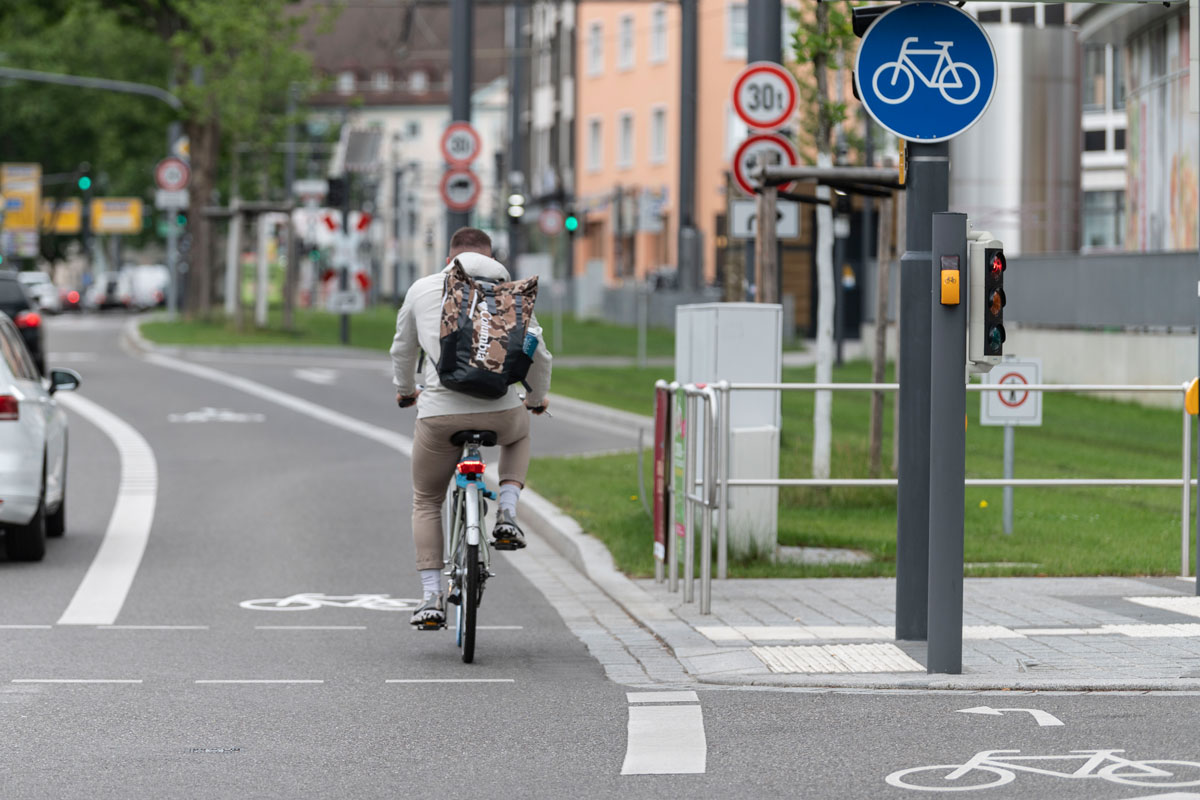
pixel 926 71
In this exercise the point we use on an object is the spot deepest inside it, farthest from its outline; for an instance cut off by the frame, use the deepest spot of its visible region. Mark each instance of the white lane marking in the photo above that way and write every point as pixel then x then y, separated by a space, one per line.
pixel 662 697
pixel 665 740
pixel 152 627
pixel 25 627
pixel 259 681
pixel 74 680
pixel 451 680
pixel 100 596
pixel 209 414
pixel 499 627
pixel 310 627
pixel 402 444
pixel 317 375
pixel 1044 719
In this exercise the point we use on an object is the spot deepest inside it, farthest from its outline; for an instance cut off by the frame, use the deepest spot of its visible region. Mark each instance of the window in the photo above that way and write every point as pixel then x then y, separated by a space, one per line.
pixel 735 30
pixel 625 140
pixel 1103 219
pixel 658 135
pixel 1094 78
pixel 595 48
pixel 1022 15
pixel 346 82
pixel 1054 14
pixel 418 81
pixel 1119 139
pixel 658 33
pixel 992 15
pixel 595 145
pixel 413 129
pixel 1095 141
pixel 1118 79
pixel 381 81
pixel 625 43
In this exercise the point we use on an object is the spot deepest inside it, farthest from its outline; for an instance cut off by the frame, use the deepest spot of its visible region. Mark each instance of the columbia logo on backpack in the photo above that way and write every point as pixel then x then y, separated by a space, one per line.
pixel 485 339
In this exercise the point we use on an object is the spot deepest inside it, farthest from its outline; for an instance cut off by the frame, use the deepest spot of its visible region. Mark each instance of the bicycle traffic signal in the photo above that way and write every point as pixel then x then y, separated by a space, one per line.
pixel 986 312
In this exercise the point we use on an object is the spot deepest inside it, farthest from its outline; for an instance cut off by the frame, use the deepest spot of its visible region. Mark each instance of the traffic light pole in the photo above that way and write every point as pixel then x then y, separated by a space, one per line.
pixel 689 253
pixel 947 441
pixel 927 192
pixel 462 39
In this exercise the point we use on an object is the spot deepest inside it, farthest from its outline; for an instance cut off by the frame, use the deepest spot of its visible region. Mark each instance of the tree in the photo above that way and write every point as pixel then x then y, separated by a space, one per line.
pixel 822 40
pixel 234 61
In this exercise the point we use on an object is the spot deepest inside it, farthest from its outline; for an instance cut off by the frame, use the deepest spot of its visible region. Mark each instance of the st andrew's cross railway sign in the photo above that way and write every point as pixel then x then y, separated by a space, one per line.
pixel 926 71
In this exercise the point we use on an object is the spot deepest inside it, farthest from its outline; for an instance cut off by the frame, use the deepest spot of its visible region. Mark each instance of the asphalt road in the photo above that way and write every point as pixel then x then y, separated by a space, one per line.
pixel 219 700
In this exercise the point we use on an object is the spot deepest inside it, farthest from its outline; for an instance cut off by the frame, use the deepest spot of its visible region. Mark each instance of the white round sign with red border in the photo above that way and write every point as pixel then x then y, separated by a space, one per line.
pixel 765 95
pixel 758 151
pixel 460 143
pixel 172 174
pixel 460 189
pixel 550 221
pixel 1012 405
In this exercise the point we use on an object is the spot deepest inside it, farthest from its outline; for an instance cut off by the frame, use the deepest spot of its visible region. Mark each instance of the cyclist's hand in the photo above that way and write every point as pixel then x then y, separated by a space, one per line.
pixel 539 410
pixel 407 400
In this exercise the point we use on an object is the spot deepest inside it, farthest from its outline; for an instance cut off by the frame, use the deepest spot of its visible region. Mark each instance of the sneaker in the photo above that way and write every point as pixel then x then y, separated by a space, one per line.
pixel 431 615
pixel 507 535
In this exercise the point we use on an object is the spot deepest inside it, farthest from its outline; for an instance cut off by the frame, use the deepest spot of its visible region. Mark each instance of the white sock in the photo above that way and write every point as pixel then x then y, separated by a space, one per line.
pixel 431 581
pixel 510 493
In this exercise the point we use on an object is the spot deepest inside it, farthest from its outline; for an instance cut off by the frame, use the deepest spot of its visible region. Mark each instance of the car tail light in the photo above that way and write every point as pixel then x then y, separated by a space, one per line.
pixel 470 467
pixel 10 409
pixel 72 296
pixel 158 297
pixel 28 319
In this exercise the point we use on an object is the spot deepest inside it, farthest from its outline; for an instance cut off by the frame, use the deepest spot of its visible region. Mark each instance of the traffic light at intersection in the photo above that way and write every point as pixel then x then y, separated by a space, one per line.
pixel 986 312
pixel 571 223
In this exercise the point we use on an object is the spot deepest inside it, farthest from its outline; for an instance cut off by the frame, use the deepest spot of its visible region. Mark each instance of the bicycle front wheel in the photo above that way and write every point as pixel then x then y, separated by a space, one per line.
pixel 937 778
pixel 469 602
pixel 1157 772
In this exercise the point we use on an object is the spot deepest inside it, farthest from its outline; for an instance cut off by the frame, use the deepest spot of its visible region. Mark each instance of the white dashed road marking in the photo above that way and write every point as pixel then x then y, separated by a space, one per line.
pixel 100 596
pixel 665 739
pixel 76 680
pixel 257 681
pixel 451 680
pixel 317 375
pixel 310 627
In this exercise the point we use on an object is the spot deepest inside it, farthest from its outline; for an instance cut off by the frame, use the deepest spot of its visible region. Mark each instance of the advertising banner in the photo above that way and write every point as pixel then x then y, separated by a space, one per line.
pixel 662 434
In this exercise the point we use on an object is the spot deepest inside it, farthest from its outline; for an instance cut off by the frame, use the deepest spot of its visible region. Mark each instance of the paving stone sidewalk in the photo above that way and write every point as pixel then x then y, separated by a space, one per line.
pixel 1019 633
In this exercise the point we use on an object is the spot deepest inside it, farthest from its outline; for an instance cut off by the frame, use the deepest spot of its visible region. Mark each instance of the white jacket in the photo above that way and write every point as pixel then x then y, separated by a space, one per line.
pixel 419 327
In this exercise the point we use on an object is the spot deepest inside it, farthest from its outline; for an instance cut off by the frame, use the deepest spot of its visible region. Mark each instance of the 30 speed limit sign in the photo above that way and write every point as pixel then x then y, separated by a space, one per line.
pixel 460 143
pixel 765 95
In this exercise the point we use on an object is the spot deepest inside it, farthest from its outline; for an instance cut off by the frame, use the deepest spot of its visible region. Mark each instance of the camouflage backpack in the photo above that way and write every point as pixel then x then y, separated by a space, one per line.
pixel 486 344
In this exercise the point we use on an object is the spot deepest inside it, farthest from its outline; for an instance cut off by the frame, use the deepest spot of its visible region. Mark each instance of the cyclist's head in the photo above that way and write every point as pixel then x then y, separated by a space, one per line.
pixel 469 240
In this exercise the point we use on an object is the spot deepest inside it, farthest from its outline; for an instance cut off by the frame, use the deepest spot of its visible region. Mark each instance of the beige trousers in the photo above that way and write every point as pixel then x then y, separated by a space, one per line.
pixel 434 459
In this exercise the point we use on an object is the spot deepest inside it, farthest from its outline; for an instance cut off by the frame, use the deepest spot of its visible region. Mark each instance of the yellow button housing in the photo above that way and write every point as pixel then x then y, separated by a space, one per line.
pixel 950 287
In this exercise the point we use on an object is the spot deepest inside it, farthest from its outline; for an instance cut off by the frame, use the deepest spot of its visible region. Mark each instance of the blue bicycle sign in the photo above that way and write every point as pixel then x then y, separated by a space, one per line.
pixel 926 71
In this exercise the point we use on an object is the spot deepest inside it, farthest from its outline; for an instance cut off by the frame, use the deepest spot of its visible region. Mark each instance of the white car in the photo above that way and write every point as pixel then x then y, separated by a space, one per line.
pixel 148 285
pixel 42 289
pixel 33 449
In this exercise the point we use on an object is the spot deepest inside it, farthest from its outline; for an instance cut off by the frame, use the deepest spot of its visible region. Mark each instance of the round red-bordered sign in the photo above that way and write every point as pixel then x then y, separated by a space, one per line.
pixel 765 95
pixel 460 189
pixel 748 158
pixel 460 143
pixel 1014 402
pixel 172 174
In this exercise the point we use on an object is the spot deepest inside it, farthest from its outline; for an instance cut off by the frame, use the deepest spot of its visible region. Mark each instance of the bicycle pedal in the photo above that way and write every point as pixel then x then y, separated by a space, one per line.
pixel 430 626
pixel 507 544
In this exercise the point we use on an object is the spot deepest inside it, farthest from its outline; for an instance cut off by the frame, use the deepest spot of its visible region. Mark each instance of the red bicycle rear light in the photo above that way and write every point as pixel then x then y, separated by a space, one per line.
pixel 10 409
pixel 28 319
pixel 72 296
pixel 470 467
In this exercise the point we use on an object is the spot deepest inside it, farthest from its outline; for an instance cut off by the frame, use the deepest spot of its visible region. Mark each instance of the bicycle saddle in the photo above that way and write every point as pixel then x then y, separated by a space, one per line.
pixel 481 438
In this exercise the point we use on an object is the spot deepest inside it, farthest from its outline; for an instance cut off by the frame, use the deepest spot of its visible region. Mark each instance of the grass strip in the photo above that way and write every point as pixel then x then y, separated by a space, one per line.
pixel 1057 531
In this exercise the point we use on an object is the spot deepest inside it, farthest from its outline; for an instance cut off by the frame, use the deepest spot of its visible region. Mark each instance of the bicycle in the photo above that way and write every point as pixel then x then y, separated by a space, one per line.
pixel 904 65
pixel 1005 764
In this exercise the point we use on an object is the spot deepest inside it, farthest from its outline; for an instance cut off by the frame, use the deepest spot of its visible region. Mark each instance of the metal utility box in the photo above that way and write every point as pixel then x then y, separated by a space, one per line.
pixel 741 343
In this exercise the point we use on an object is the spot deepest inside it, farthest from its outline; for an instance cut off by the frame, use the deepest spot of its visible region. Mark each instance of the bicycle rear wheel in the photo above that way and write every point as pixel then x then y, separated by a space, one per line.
pixel 469 602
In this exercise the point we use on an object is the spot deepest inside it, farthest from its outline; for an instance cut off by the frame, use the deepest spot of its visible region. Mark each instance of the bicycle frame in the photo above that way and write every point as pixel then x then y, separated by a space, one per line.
pixel 1094 760
pixel 466 517
pixel 943 54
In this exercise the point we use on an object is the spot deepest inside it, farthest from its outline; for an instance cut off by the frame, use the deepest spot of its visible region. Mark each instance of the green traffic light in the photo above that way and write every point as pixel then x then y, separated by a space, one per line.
pixel 181 220
pixel 571 223
pixel 85 183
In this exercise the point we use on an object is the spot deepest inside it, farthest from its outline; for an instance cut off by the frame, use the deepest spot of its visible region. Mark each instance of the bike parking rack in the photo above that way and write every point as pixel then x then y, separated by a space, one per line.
pixel 714 481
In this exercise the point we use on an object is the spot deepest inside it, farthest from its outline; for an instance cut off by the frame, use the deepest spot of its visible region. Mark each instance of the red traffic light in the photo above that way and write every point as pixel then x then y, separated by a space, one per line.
pixel 998 265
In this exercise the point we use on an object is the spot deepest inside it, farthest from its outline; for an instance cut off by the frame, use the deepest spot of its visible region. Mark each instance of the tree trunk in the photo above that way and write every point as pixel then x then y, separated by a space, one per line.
pixel 879 365
pixel 823 403
pixel 205 138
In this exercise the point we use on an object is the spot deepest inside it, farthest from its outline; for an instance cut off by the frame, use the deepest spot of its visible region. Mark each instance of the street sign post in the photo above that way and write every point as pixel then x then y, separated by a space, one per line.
pixel 758 151
pixel 1010 407
pixel 62 217
pixel 460 143
pixel 172 174
pixel 21 186
pixel 925 71
pixel 460 189
pixel 166 199
pixel 116 215
pixel 550 221
pixel 743 219
pixel 765 95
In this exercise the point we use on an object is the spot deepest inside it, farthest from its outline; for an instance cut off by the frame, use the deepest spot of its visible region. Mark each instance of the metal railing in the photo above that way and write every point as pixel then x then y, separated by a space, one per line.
pixel 714 481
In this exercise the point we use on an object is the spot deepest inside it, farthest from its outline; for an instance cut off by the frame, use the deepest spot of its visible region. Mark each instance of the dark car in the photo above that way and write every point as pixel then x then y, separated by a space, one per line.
pixel 16 302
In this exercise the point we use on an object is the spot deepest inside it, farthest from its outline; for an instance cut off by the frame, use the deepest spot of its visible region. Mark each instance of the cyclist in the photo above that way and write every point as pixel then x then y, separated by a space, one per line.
pixel 441 412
